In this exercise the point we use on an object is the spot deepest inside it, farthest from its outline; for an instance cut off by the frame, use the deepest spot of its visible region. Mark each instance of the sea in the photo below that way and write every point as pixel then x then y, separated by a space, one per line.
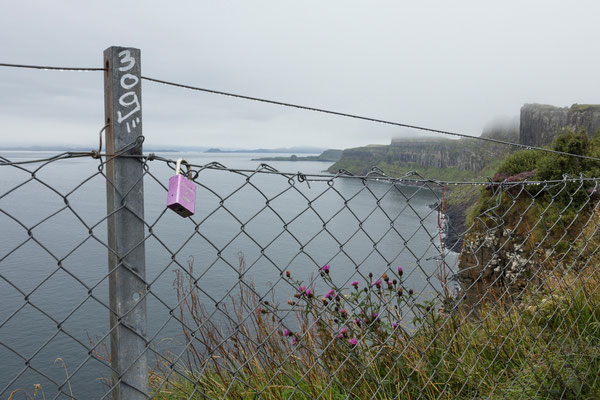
pixel 53 254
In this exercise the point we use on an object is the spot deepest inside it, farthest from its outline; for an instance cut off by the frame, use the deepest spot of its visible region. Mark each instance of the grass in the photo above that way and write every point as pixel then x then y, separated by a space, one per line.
pixel 543 345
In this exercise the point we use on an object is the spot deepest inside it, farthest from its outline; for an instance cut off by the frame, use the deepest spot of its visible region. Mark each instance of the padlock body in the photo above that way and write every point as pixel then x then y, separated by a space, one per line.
pixel 182 195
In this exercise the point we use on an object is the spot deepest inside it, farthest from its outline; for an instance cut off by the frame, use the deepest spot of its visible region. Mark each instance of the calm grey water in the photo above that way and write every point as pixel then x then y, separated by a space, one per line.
pixel 40 288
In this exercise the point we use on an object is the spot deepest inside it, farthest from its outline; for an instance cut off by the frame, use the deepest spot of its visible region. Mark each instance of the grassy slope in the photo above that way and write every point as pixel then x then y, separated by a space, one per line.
pixel 545 348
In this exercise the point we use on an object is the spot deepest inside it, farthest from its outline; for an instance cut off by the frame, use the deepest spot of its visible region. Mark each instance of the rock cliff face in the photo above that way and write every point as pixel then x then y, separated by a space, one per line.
pixel 541 123
pixel 441 153
pixel 494 258
pixel 435 158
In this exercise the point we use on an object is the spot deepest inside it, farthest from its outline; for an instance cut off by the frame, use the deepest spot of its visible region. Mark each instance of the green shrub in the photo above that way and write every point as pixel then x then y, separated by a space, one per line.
pixel 520 161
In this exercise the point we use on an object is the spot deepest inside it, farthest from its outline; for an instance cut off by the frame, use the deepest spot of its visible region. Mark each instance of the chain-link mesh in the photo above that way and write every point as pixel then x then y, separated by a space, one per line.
pixel 305 286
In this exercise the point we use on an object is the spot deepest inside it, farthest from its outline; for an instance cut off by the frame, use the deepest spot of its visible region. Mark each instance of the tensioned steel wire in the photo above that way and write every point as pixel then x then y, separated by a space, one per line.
pixel 505 260
pixel 313 109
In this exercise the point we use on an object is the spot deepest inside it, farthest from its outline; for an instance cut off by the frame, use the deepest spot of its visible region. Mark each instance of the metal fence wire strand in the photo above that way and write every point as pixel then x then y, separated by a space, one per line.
pixel 289 285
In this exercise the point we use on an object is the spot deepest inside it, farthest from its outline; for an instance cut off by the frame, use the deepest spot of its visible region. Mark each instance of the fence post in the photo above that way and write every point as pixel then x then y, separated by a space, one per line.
pixel 125 207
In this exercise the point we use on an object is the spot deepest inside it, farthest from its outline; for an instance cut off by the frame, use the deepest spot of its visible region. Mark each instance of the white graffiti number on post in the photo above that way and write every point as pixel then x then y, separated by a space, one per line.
pixel 126 59
pixel 128 99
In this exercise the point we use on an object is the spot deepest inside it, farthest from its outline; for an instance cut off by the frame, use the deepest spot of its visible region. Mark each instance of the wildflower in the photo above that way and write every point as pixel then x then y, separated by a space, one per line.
pixel 394 281
pixel 375 315
pixel 395 324
pixel 308 292
pixel 291 302
pixel 400 271
pixel 330 294
pixel 370 274
pixel 353 341
pixel 301 288
pixel 357 321
pixel 410 292
pixel 390 285
pixel 340 336
pixel 324 300
pixel 294 340
pixel 325 268
pixel 355 284
pixel 286 332
pixel 385 277
pixel 377 283
pixel 400 291
pixel 343 312
pixel 288 274
pixel 343 331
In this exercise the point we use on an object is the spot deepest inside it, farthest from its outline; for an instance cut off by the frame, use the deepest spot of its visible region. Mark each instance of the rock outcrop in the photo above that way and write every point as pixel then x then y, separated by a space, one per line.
pixel 494 258
pixel 439 158
pixel 540 123
pixel 461 154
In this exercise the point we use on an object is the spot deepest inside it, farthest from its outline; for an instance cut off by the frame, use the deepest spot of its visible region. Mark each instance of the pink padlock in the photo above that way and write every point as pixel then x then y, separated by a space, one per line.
pixel 182 191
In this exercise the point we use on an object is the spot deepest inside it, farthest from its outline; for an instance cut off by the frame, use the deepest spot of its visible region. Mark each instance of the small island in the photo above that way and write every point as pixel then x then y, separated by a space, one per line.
pixel 331 155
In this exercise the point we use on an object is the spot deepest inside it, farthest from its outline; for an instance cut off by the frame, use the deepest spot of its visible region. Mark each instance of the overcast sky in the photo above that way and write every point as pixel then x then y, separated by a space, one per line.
pixel 450 65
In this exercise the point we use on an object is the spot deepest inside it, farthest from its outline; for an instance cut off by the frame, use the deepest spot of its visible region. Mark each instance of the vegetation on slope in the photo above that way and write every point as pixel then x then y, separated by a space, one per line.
pixel 357 342
pixel 558 205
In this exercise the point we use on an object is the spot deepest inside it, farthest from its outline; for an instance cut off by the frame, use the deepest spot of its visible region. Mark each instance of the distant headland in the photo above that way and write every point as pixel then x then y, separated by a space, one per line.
pixel 290 150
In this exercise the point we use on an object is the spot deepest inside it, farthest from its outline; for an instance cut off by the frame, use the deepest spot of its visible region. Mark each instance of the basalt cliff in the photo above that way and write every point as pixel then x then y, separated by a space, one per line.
pixel 468 159
pixel 540 123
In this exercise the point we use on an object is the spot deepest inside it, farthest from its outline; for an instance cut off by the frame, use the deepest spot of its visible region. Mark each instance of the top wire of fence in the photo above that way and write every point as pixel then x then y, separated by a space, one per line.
pixel 319 110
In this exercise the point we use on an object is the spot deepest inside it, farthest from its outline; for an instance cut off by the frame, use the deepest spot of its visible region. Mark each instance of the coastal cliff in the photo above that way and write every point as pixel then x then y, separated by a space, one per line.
pixel 463 159
pixel 540 123
pixel 468 159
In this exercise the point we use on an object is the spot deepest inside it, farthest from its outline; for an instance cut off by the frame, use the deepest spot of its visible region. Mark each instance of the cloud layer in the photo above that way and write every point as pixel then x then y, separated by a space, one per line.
pixel 446 65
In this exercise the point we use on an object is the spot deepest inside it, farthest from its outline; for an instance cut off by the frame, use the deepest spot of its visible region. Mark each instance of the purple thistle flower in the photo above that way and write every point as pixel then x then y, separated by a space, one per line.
pixel 286 332
pixel 301 288
pixel 377 283
pixel 343 330
pixel 294 340
pixel 353 341
pixel 355 284
pixel 400 271
pixel 343 312
pixel 330 294
pixel 340 336
pixel 375 315
pixel 325 268
pixel 308 292
pixel 395 324
pixel 357 321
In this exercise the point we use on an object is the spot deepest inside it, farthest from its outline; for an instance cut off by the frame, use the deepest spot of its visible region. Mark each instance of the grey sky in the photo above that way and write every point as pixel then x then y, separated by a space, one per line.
pixel 445 64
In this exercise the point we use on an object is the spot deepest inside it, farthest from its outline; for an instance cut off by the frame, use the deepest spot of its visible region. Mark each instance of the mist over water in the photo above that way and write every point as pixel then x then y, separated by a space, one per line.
pixel 54 286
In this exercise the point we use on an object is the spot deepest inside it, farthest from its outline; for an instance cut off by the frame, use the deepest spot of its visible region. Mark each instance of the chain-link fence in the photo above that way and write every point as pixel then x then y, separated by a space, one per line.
pixel 301 286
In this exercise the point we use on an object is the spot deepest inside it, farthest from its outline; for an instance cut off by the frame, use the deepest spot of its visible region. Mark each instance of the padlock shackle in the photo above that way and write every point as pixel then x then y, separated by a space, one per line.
pixel 178 167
